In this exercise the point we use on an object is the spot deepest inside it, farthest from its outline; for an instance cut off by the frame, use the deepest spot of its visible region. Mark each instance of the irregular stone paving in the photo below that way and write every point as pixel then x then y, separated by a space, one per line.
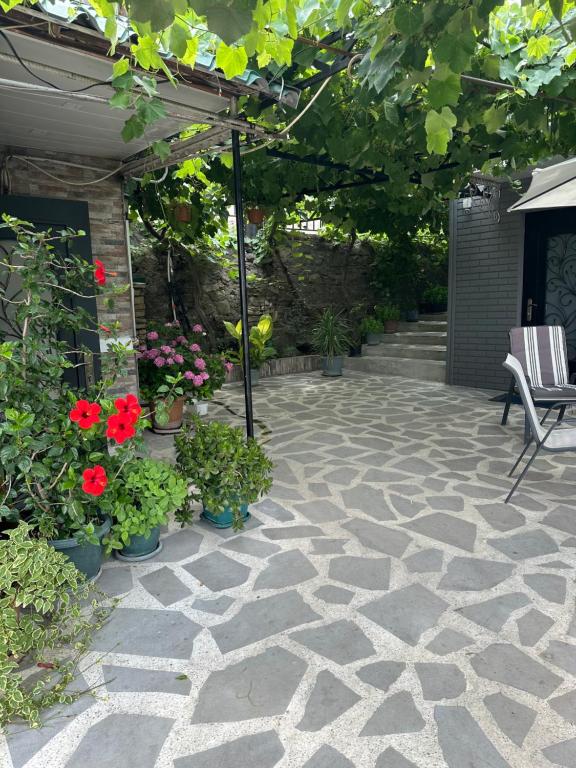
pixel 383 608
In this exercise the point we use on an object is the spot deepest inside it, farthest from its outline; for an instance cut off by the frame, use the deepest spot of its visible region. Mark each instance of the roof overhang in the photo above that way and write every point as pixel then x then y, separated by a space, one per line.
pixel 70 113
pixel 551 187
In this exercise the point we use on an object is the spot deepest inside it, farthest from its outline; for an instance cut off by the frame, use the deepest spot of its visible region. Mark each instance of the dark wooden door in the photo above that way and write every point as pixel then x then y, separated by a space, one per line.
pixel 46 213
pixel 549 290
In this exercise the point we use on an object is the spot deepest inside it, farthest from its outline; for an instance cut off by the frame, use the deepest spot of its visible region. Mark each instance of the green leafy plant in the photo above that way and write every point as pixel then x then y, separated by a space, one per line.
pixel 331 335
pixel 50 434
pixel 260 336
pixel 372 324
pixel 226 469
pixel 436 295
pixel 148 490
pixel 387 313
pixel 42 626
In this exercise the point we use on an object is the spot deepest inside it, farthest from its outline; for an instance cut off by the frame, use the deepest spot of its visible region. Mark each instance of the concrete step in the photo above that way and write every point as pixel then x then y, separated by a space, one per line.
pixel 409 368
pixel 424 325
pixel 415 337
pixel 415 351
pixel 434 316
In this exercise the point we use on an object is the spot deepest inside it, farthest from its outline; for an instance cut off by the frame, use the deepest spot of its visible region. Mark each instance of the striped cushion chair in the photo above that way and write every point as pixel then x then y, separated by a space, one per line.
pixel 541 351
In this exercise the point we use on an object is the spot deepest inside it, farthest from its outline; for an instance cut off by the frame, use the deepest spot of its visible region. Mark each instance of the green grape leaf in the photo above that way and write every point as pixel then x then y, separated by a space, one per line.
pixel 439 127
pixel 408 19
pixel 444 88
pixel 229 20
pixel 494 118
pixel 231 60
pixel 538 47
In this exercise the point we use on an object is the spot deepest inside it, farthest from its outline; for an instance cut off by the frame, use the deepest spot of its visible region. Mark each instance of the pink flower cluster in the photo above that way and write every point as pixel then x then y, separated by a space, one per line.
pixel 197 379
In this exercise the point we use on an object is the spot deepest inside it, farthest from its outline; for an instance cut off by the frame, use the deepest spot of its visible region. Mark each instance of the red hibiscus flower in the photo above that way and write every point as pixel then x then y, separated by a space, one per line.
pixel 99 272
pixel 129 406
pixel 95 480
pixel 120 427
pixel 85 414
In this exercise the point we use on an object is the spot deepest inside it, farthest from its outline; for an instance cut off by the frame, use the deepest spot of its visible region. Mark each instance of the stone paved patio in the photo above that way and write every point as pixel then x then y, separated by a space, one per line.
pixel 383 609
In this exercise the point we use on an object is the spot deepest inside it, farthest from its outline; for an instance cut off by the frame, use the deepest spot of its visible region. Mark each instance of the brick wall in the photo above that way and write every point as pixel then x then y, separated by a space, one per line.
pixel 107 225
pixel 485 289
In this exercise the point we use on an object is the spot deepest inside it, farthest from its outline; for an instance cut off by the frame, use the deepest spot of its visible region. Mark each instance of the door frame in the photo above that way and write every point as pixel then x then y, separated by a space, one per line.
pixel 539 226
pixel 59 213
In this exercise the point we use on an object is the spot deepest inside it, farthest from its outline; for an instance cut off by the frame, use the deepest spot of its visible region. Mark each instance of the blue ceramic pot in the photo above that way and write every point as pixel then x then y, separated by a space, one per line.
pixel 141 547
pixel 86 557
pixel 225 519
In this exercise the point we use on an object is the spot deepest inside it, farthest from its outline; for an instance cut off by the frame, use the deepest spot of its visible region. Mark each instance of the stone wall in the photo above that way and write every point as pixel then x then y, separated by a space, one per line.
pixel 303 277
pixel 107 224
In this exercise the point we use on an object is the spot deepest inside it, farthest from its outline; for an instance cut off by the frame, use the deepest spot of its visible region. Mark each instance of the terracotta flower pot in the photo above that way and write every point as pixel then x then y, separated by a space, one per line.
pixel 175 419
pixel 255 215
pixel 183 213
pixel 391 326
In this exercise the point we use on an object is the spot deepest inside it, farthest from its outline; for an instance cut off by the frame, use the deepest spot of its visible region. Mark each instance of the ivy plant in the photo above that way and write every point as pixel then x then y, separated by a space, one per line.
pixel 43 626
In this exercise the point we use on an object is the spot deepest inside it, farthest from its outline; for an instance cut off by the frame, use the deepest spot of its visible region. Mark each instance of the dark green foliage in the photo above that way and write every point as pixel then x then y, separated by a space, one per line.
pixel 148 491
pixel 40 611
pixel 331 335
pixel 226 469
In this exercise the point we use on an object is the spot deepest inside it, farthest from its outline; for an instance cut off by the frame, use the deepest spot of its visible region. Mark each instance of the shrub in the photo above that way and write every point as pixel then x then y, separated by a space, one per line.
pixel 371 325
pixel 387 312
pixel 226 468
pixel 40 610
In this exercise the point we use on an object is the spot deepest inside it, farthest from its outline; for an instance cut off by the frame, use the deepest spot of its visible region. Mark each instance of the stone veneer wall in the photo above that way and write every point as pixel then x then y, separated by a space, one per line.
pixel 304 277
pixel 107 225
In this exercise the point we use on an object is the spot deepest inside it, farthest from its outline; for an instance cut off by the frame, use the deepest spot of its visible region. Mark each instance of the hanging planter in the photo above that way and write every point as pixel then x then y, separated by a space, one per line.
pixel 255 215
pixel 183 212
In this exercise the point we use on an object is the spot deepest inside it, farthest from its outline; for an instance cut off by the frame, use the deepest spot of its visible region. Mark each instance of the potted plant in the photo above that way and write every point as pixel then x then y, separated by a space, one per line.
pixel 331 338
pixel 389 315
pixel 147 491
pixel 260 348
pixel 355 317
pixel 435 299
pixel 173 368
pixel 373 329
pixel 53 439
pixel 227 470
pixel 44 626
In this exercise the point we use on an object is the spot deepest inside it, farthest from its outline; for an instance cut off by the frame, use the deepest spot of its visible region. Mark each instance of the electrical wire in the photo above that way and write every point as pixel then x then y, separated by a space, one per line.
pixel 41 79
pixel 290 125
pixel 66 181
pixel 33 74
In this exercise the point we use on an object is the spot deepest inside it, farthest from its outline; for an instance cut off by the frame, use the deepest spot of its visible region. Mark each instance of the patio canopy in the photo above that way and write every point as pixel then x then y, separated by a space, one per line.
pixel 552 187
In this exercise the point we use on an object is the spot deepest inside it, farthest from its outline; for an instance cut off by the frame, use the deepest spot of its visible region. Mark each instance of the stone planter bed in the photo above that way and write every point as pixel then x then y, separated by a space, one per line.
pixel 281 366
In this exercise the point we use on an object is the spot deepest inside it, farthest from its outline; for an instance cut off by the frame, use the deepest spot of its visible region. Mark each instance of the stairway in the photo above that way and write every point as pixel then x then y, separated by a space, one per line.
pixel 417 351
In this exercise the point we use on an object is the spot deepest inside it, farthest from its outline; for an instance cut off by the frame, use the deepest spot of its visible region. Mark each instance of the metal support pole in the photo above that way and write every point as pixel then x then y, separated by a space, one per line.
pixel 239 211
